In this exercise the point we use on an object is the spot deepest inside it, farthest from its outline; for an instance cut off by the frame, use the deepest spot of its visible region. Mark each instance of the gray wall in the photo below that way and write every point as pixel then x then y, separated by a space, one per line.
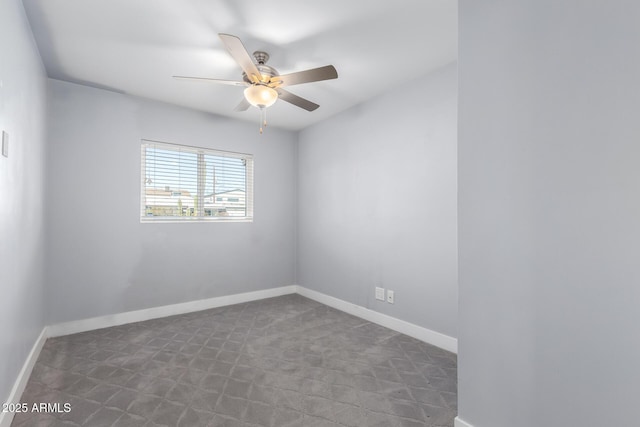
pixel 102 260
pixel 377 203
pixel 22 115
pixel 549 213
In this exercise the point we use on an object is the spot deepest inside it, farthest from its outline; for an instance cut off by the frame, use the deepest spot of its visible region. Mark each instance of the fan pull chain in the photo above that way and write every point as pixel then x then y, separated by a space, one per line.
pixel 263 119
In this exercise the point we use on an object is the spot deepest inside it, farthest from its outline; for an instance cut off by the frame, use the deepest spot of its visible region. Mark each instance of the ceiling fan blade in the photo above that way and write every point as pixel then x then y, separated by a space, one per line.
pixel 296 100
pixel 327 72
pixel 243 106
pixel 242 57
pixel 204 79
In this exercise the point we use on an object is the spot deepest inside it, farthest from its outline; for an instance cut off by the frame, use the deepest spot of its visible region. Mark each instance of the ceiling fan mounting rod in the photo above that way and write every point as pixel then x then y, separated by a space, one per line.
pixel 261 57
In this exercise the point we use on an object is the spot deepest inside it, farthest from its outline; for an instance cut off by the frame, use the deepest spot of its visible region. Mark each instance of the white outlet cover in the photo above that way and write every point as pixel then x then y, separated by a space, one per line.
pixel 380 293
pixel 391 297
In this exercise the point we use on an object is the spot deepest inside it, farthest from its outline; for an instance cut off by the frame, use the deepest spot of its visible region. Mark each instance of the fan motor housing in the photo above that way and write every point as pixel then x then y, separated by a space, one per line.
pixel 265 70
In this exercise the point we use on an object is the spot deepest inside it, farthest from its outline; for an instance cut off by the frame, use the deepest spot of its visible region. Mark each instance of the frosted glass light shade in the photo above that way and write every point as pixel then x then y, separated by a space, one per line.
pixel 260 96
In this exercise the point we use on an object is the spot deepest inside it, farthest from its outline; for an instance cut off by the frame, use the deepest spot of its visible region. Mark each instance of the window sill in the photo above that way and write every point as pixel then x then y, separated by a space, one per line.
pixel 185 220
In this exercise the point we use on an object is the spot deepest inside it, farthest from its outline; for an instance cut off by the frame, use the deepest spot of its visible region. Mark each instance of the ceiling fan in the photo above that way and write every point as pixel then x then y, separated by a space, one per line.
pixel 264 86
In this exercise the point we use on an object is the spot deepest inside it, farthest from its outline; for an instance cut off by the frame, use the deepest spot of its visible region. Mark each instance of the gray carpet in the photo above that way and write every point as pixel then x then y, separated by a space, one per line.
pixel 280 362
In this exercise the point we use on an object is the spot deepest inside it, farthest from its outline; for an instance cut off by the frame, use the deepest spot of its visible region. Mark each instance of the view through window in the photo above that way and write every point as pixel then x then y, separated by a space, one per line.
pixel 183 183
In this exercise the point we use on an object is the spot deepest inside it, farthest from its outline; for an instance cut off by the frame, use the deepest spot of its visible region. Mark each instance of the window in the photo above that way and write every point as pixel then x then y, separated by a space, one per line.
pixel 181 183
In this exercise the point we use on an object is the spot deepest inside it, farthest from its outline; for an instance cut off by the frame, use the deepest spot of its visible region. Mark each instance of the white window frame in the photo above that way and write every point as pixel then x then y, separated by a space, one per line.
pixel 201 180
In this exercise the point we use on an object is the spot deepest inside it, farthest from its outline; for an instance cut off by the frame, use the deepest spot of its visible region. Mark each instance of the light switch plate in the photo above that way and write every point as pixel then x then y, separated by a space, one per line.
pixel 5 144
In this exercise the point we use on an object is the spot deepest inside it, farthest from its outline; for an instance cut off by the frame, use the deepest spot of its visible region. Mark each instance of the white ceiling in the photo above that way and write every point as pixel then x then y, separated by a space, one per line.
pixel 135 46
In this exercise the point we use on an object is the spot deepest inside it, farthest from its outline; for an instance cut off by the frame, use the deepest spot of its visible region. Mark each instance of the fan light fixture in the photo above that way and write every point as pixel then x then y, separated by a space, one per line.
pixel 261 96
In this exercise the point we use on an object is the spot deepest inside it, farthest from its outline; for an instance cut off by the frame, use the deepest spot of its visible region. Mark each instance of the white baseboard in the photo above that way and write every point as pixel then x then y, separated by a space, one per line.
pixel 432 337
pixel 423 334
pixel 459 422
pixel 23 377
pixel 100 322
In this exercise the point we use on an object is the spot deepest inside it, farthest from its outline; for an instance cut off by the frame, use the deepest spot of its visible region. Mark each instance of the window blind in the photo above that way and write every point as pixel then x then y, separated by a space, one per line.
pixel 184 183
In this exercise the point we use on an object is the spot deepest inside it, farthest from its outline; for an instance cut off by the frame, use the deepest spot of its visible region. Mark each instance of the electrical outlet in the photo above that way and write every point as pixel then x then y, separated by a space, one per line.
pixel 380 293
pixel 391 297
